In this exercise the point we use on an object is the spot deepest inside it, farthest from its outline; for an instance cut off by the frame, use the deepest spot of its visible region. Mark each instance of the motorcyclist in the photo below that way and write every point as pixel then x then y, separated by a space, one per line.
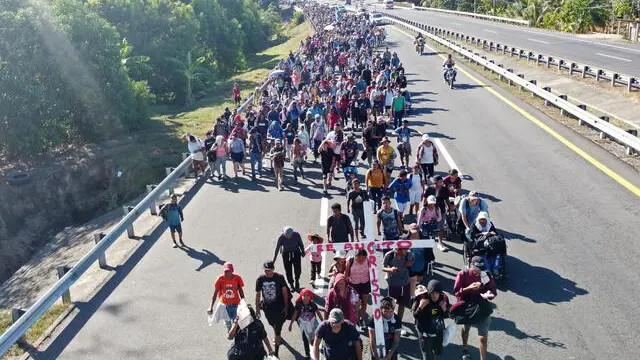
pixel 449 63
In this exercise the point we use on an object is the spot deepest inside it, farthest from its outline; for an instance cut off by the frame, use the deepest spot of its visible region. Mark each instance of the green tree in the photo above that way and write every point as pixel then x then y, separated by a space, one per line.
pixel 191 71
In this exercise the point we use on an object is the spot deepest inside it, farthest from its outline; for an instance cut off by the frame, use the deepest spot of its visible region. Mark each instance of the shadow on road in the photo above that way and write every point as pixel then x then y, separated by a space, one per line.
pixel 515 236
pixel 441 136
pixel 539 284
pixel 205 256
pixel 509 327
pixel 459 86
pixel 85 310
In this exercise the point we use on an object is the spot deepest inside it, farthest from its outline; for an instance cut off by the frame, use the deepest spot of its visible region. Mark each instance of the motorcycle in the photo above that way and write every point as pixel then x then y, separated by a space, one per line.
pixel 450 76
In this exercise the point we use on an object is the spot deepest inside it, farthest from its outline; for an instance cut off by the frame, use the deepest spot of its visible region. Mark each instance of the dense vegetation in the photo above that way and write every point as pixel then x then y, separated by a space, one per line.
pixel 577 16
pixel 88 70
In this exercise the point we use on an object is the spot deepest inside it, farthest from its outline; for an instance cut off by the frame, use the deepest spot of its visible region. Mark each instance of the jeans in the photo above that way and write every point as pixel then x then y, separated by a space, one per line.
pixel 291 261
pixel 315 270
pixel 316 145
pixel 492 264
pixel 220 166
pixel 256 161
pixel 232 311
pixel 371 154
pixel 427 170
pixel 375 194
pixel 358 219
pixel 397 119
pixel 431 347
pixel 297 165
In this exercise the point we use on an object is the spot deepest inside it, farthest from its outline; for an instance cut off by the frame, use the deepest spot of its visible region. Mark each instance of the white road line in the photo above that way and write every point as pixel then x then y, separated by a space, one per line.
pixel 447 156
pixel 613 57
pixel 455 23
pixel 538 41
pixel 319 283
pixel 324 211
pixel 490 31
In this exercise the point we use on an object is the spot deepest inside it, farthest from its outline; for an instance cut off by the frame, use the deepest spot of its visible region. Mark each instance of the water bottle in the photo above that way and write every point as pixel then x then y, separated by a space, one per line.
pixel 484 278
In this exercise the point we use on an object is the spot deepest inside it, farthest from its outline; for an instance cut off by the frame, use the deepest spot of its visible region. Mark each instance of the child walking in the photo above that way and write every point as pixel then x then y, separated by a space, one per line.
pixel 316 258
pixel 306 313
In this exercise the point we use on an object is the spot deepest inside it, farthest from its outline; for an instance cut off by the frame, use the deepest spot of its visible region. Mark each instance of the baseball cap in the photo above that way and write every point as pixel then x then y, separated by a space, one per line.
pixel 336 316
pixel 287 230
pixel 477 263
pixel 268 265
pixel 228 266
pixel 425 137
pixel 431 199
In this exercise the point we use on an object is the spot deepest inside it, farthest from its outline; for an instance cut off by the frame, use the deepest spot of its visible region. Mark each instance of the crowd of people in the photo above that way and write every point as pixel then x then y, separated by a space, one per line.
pixel 341 85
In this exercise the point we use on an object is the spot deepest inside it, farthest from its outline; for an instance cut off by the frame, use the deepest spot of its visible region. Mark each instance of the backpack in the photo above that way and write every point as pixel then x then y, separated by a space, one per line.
pixel 164 210
pixel 212 155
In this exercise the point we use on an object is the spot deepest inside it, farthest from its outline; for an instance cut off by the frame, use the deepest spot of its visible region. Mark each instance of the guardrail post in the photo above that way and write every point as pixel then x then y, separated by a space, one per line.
pixel 571 66
pixel 614 77
pixel 16 313
pixel 504 49
pixel 633 132
pixel 603 135
pixel 598 74
pixel 565 98
pixel 512 51
pixel 168 171
pixel 500 75
pixel 529 56
pixel 152 207
pixel 560 63
pixel 102 260
pixel 547 89
pixel 549 60
pixel 484 58
pixel 630 83
pixel 534 82
pixel 583 107
pixel 66 296
pixel 538 59
pixel 585 68
pixel 511 71
pixel 521 76
pixel 130 233
pixel 188 173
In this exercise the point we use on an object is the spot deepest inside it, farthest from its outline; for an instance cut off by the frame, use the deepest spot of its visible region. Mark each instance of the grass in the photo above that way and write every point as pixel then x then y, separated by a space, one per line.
pixel 35 332
pixel 199 120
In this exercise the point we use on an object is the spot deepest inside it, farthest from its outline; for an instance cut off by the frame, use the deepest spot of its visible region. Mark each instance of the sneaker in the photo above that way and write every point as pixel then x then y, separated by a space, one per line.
pixel 403 332
pixel 465 355
pixel 441 247
pixel 181 243
pixel 175 246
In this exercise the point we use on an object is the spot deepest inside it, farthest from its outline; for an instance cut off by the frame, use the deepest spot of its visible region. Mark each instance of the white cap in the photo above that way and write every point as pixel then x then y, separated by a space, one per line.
pixel 431 199
pixel 425 137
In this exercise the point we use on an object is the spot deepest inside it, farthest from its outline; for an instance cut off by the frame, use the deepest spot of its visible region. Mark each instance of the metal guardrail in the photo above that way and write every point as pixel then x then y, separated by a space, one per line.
pixel 474 15
pixel 572 67
pixel 628 139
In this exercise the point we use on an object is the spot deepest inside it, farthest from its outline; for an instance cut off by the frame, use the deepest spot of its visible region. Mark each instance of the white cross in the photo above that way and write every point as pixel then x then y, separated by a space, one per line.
pixel 374 259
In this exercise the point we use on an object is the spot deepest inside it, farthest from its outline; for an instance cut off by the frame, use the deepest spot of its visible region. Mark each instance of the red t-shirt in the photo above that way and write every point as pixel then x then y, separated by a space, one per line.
pixel 448 182
pixel 228 289
pixel 333 120
pixel 236 93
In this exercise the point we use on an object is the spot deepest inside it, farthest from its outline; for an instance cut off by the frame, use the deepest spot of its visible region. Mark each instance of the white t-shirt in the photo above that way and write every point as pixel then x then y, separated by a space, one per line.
pixel 427 155
pixel 388 100
pixel 416 183
pixel 194 149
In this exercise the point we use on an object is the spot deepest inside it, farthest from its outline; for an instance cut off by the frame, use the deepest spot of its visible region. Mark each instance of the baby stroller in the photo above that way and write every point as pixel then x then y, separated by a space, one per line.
pixel 429 230
pixel 451 220
pixel 493 248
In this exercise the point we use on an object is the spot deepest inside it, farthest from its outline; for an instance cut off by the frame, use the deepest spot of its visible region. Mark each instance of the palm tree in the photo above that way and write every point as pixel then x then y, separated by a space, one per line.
pixel 191 71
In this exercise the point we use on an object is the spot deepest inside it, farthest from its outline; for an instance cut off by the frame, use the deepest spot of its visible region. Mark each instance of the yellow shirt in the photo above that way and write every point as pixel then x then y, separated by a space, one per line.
pixel 375 178
pixel 384 154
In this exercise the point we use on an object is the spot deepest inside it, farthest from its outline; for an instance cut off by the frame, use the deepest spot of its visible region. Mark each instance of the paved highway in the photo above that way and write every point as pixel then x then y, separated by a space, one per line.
pixel 613 55
pixel 572 232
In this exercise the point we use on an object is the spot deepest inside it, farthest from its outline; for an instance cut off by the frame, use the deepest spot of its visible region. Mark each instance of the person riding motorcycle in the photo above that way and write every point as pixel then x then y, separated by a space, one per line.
pixel 449 63
pixel 419 42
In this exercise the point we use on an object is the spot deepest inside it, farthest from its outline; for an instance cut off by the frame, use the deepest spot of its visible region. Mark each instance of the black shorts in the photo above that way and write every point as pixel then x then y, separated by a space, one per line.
pixel 362 289
pixel 275 319
pixel 237 157
pixel 417 273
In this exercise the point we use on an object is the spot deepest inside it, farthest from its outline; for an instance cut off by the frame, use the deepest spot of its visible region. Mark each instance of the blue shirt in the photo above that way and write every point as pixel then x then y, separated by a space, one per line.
pixel 401 188
pixel 472 211
pixel 174 214
pixel 275 130
pixel 404 134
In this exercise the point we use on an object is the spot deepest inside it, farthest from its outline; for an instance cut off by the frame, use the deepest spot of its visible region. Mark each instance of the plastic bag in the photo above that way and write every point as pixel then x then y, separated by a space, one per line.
pixel 219 314
pixel 270 357
pixel 449 332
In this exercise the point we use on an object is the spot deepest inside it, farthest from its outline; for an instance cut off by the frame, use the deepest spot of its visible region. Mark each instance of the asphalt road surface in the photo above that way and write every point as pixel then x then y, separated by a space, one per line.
pixel 606 54
pixel 571 228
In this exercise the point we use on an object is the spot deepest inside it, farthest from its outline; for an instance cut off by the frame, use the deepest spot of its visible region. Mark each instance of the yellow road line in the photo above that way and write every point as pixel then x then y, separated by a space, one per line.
pixel 612 174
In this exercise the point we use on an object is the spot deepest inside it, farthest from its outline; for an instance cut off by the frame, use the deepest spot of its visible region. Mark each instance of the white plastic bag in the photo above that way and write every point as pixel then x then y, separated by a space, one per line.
pixel 449 332
pixel 270 357
pixel 220 313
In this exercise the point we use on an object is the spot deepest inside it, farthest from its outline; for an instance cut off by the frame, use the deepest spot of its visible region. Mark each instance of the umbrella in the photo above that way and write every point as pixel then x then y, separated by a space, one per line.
pixel 277 73
pixel 329 27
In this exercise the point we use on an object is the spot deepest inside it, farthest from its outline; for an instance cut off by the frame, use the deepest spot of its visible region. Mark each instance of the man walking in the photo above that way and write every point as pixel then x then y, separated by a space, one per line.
pixel 290 244
pixel 396 264
pixel 228 290
pixel 355 204
pixel 172 214
pixel 339 228
pixel 427 157
pixel 272 297
pixel 340 337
